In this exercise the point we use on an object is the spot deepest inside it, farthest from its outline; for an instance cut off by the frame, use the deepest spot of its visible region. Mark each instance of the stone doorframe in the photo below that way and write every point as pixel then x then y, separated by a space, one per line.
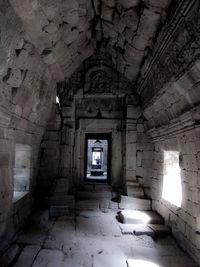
pixel 100 136
pixel 94 126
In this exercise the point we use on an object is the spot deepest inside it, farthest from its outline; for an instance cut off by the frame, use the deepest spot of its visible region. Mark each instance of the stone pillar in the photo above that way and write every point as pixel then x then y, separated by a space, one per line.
pixel 132 115
pixel 130 150
pixel 67 144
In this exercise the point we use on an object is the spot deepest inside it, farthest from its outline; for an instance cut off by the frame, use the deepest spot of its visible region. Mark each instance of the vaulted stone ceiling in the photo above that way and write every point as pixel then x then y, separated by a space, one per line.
pixel 66 32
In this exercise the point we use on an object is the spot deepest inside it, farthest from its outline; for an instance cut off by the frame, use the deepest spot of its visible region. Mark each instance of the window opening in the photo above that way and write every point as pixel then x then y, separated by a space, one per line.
pixel 22 168
pixel 172 187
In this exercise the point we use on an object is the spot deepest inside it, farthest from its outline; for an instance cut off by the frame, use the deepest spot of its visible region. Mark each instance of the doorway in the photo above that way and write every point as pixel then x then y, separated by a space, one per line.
pixel 97 158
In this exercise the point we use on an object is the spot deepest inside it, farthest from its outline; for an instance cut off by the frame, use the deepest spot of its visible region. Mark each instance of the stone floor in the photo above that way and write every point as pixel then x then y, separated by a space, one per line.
pixel 92 238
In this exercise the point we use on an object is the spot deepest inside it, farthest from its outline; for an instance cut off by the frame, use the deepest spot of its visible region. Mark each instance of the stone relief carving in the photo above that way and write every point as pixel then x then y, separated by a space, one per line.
pixel 100 82
pixel 96 75
pixel 182 51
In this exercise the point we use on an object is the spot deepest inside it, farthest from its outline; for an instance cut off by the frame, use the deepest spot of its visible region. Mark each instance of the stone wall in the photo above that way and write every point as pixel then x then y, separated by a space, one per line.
pixel 173 124
pixel 170 94
pixel 144 157
pixel 184 220
pixel 49 156
pixel 27 92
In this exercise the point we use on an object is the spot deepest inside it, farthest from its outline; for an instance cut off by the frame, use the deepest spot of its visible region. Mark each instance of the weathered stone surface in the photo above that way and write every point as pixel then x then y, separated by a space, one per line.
pixel 131 203
pixel 49 258
pixel 139 217
pixel 9 256
pixel 118 67
pixel 160 229
pixel 27 256
pixel 111 259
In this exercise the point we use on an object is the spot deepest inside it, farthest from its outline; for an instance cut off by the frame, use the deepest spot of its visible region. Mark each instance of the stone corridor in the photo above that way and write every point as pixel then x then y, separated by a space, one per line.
pixel 98 233
pixel 99 133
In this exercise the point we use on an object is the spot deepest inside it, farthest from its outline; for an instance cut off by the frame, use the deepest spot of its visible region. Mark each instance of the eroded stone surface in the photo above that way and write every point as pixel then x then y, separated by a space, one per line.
pixel 94 239
pixel 49 258
pixel 72 24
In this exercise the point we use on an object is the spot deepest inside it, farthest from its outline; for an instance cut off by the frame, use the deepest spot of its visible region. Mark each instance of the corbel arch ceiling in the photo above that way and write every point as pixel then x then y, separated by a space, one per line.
pixel 66 32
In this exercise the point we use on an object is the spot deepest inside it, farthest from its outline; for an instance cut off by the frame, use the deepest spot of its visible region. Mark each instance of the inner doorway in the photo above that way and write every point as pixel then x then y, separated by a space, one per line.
pixel 97 158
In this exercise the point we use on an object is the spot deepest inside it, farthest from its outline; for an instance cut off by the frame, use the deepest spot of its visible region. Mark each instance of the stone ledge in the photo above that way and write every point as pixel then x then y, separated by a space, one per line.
pixel 180 125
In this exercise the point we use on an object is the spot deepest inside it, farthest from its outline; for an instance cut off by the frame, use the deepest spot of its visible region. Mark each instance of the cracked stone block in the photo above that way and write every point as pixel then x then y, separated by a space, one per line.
pixel 107 13
pixel 158 3
pixel 52 27
pixel 69 35
pixel 15 78
pixel 129 3
pixel 71 18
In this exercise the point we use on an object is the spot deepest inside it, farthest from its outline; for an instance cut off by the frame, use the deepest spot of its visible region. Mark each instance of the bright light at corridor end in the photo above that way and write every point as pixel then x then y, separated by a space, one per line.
pixel 172 186
pixel 140 263
pixel 57 100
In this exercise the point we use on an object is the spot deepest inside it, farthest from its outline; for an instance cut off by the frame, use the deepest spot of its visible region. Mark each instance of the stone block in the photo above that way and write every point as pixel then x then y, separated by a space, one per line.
pixel 49 258
pixel 140 127
pixel 27 256
pixel 9 256
pixel 139 217
pixel 107 13
pixel 139 159
pixel 109 259
pixel 145 146
pixel 146 163
pixel 129 3
pixel 190 163
pixel 131 137
pixel 133 112
pixel 5 160
pixel 15 78
pixel 134 203
pixel 160 229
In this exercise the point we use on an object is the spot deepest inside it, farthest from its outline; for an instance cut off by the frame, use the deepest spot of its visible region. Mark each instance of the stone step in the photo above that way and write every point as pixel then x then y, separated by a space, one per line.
pixel 134 191
pixel 61 199
pixel 97 187
pixel 87 195
pixel 139 217
pixel 132 203
pixel 137 229
pixel 142 229
pixel 160 229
